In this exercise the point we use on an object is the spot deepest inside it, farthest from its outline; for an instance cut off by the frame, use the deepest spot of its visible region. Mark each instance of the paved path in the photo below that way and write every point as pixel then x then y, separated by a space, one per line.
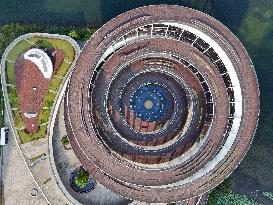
pixel 66 161
pixel 18 182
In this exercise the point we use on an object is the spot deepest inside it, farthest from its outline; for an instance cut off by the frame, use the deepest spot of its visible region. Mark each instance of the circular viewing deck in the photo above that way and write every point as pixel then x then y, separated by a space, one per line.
pixel 162 104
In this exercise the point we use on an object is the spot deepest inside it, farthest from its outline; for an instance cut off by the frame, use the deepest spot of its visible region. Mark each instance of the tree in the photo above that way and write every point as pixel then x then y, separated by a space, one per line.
pixel 73 34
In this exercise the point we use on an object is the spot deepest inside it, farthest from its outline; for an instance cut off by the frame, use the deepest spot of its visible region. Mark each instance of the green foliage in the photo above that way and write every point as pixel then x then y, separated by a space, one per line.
pixel 224 188
pixel 257 24
pixel 12 31
pixel 10 78
pixel 44 44
pixel 49 100
pixel 82 178
pixel 7 34
pixel 25 137
pixel 223 195
pixel 65 140
pixel 56 82
pixel 18 119
pixel 33 159
pixel 13 100
pixel 86 33
pixel 74 34
pixel 235 199
pixel 268 195
pixel 1 108
pixel 44 116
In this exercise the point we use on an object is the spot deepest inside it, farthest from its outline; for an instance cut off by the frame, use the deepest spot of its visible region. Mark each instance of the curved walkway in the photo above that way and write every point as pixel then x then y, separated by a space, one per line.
pixel 66 162
pixel 225 47
pixel 16 176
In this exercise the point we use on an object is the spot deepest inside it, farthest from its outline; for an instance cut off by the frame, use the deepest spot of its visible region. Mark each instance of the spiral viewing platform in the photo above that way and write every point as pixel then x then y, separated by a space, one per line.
pixel 162 104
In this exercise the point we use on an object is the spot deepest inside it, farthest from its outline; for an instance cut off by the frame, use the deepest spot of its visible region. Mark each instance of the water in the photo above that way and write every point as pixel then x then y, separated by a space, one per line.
pixel 97 12
pixel 250 20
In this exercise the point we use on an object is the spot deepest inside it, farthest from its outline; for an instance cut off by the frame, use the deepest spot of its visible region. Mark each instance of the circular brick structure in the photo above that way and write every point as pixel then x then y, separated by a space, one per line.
pixel 162 104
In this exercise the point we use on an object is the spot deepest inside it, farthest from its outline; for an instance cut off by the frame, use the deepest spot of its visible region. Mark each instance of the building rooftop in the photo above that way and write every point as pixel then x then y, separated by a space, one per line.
pixel 203 104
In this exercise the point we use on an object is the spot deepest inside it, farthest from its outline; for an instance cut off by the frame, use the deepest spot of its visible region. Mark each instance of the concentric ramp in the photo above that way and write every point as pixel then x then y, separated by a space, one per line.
pixel 162 104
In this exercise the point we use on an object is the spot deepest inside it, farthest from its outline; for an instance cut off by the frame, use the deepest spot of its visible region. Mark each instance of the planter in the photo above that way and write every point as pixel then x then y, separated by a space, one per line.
pixel 89 186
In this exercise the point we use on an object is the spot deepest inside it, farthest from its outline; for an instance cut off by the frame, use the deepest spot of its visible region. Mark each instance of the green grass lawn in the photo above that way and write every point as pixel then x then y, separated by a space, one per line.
pixel 10 73
pixel 18 119
pixel 56 82
pixel 18 49
pixel 63 69
pixel 25 138
pixel 49 99
pixel 54 85
pixel 1 107
pixel 44 116
pixel 61 44
pixel 13 100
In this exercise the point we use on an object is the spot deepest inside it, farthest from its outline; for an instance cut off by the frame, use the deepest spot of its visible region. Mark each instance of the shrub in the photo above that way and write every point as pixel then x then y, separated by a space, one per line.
pixel 235 199
pixel 268 195
pixel 44 44
pixel 82 178
pixel 73 34
pixel 224 188
pixel 65 140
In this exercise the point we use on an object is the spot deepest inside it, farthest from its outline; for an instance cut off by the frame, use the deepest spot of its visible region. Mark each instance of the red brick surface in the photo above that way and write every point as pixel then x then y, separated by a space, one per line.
pixel 28 76
pixel 120 174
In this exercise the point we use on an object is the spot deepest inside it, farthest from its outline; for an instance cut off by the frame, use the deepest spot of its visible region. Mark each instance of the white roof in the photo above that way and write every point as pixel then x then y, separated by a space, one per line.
pixel 30 114
pixel 42 60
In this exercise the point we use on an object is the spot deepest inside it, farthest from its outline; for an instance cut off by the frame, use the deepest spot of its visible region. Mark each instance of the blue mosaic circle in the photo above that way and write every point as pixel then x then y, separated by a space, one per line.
pixel 156 95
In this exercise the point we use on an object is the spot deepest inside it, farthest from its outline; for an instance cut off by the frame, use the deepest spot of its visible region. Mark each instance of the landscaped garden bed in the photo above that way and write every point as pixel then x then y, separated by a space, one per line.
pixel 65 142
pixel 81 181
pixel 53 88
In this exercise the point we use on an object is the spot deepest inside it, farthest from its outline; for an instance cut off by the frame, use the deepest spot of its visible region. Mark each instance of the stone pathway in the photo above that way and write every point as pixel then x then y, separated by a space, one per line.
pixel 18 182
pixel 42 171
